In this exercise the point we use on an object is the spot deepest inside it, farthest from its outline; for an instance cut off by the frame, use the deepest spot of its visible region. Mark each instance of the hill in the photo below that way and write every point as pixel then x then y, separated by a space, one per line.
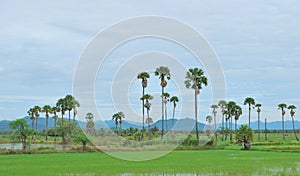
pixel 181 124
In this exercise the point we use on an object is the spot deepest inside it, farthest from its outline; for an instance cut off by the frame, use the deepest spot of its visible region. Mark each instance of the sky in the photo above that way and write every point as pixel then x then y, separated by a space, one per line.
pixel 41 43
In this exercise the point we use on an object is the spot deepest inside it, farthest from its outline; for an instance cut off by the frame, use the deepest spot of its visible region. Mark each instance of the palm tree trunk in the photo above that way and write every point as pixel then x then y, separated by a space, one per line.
pixel 162 113
pixel 46 129
pixel 143 110
pixel 55 130
pixel 235 125
pixel 69 125
pixel 120 129
pixel 36 124
pixel 294 129
pixel 63 129
pixel 173 121
pixel 215 122
pixel 266 137
pixel 74 115
pixel 223 129
pixel 258 126
pixel 216 131
pixel 226 129
pixel 283 137
pixel 230 129
pixel 32 126
pixel 196 118
pixel 249 114
pixel 166 110
pixel 148 123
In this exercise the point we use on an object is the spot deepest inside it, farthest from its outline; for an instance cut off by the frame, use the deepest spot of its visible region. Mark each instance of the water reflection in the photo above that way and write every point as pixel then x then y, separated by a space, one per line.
pixel 18 146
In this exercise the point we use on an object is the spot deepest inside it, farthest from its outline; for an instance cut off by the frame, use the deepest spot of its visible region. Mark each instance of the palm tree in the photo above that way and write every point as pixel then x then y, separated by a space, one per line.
pixel 143 76
pixel 90 122
pixel 36 110
pixel 166 97
pixel 222 104
pixel 237 113
pixel 292 112
pixel 173 100
pixel 250 102
pixel 61 104
pixel 214 112
pixel 118 119
pixel 75 105
pixel 32 118
pixel 54 110
pixel 69 100
pixel 163 73
pixel 231 113
pixel 195 79
pixel 282 106
pixel 149 121
pixel 209 120
pixel 147 105
pixel 258 116
pixel 46 109
pixel 31 115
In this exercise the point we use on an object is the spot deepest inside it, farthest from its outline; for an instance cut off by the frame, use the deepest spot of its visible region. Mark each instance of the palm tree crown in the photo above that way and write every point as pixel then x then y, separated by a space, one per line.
pixel 195 79
pixel 143 76
pixel 163 73
pixel 250 102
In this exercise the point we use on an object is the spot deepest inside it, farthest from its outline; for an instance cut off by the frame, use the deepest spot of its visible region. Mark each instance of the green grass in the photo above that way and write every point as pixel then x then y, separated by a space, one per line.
pixel 227 162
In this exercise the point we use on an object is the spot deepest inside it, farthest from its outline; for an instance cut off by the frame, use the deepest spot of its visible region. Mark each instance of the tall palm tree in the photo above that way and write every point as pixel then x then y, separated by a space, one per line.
pixel 69 100
pixel 46 109
pixel 54 110
pixel 222 104
pixel 166 97
pixel 75 105
pixel 174 100
pixel 32 118
pixel 258 106
pixel 147 105
pixel 292 113
pixel 282 106
pixel 118 119
pixel 237 113
pixel 231 113
pixel 163 73
pixel 250 102
pixel 209 120
pixel 36 110
pixel 226 113
pixel 149 121
pixel 195 79
pixel 61 103
pixel 143 76
pixel 214 112
pixel 90 122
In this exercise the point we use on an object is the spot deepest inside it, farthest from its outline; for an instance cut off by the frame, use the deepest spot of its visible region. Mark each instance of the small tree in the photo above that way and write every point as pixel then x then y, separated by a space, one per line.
pixel 244 135
pixel 20 132
pixel 83 139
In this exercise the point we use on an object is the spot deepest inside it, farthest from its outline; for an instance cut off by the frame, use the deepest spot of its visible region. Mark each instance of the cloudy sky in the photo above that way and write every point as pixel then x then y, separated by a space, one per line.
pixel 257 42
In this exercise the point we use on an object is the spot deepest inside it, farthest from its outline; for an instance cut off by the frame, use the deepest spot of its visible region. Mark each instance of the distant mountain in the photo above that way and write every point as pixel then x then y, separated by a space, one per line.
pixel 288 125
pixel 181 124
pixel 4 125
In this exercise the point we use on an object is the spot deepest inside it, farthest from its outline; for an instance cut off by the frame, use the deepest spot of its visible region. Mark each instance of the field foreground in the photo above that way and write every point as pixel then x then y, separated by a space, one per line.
pixel 204 162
